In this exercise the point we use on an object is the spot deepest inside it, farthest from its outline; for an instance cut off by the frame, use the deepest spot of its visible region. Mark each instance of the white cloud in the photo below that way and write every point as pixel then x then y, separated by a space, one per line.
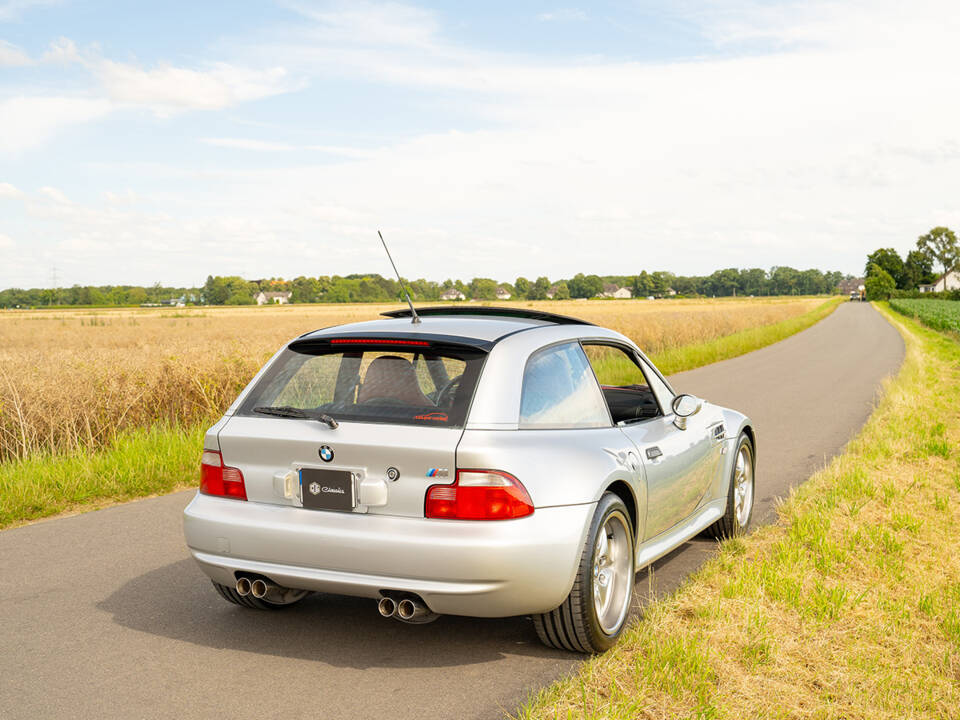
pixel 9 191
pixel 167 89
pixel 12 56
pixel 6 242
pixel 26 122
pixel 62 51
pixel 29 121
pixel 55 194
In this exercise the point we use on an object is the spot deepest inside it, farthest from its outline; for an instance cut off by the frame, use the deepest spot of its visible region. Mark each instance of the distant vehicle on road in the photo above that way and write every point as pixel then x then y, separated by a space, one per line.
pixel 487 462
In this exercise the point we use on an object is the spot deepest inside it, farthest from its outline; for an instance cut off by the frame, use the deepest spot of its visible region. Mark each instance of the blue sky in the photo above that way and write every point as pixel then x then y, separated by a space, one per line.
pixel 164 143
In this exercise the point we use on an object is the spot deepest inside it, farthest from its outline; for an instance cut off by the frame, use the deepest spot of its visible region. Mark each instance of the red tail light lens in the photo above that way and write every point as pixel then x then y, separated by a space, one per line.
pixel 479 495
pixel 218 479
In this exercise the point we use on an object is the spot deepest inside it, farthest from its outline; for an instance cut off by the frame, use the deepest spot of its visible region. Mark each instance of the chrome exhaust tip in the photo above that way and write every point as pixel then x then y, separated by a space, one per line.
pixel 414 610
pixel 386 607
pixel 406 609
pixel 259 588
pixel 243 586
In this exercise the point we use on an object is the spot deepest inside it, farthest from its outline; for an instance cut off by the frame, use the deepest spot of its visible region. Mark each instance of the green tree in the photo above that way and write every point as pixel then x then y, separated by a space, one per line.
pixel 784 281
pixel 890 261
pixel 725 282
pixel 879 283
pixel 522 287
pixel 640 287
pixel 538 290
pixel 483 288
pixel 941 243
pixel 753 281
pixel 917 269
pixel 561 292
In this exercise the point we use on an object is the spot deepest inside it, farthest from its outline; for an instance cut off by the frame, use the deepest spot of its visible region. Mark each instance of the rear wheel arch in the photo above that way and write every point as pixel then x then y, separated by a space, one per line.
pixel 748 431
pixel 623 490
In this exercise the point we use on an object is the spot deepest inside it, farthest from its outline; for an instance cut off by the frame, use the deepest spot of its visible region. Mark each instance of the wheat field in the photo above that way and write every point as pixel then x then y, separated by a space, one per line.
pixel 74 378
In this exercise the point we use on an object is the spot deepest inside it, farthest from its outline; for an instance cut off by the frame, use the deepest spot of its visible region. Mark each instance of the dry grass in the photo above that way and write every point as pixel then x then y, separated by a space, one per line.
pixel 74 379
pixel 850 608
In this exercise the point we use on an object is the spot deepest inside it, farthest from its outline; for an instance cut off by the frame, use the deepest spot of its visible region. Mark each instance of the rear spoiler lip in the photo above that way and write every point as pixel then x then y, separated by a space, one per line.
pixel 440 341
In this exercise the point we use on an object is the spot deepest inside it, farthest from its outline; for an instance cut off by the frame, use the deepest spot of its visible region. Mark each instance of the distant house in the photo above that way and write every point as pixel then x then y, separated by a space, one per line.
pixel 275 298
pixel 552 292
pixel 850 285
pixel 671 292
pixel 452 294
pixel 950 281
pixel 503 293
pixel 615 291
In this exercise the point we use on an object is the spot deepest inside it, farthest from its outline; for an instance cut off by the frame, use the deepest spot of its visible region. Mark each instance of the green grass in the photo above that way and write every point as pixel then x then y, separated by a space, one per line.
pixel 938 314
pixel 163 458
pixel 849 607
pixel 139 463
pixel 689 357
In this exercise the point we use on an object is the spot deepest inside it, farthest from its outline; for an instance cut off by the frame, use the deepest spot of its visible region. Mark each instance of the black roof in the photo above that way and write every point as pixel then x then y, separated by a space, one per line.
pixel 485 310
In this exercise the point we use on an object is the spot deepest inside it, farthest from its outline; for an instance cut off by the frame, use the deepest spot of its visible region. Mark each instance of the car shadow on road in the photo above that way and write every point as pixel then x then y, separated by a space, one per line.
pixel 178 602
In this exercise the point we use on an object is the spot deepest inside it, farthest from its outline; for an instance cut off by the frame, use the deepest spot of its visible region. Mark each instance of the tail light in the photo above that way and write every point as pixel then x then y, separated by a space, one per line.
pixel 479 495
pixel 218 479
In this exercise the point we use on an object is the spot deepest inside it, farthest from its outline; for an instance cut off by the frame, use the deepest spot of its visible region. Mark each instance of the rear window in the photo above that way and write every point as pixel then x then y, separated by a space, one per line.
pixel 429 385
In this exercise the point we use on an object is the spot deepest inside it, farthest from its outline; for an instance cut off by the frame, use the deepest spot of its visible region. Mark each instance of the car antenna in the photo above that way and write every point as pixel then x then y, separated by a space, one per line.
pixel 413 313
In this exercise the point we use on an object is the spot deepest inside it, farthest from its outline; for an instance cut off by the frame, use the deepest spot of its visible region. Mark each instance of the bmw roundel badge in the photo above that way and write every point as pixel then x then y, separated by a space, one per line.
pixel 326 454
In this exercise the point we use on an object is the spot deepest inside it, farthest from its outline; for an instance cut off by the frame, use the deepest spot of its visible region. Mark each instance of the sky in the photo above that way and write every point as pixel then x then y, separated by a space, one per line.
pixel 164 142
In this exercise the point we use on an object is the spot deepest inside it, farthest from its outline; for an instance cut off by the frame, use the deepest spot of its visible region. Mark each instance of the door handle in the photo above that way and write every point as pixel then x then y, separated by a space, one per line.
pixel 653 453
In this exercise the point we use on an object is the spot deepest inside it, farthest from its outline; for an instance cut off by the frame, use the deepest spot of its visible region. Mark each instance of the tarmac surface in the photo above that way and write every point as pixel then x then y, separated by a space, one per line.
pixel 105 615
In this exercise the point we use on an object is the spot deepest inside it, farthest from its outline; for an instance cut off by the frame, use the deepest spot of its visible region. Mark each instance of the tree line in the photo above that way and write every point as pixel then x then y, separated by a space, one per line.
pixel 888 274
pixel 235 290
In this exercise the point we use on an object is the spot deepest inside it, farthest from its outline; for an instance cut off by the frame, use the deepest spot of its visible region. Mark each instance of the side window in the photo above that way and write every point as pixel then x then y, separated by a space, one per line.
pixel 626 388
pixel 663 392
pixel 560 391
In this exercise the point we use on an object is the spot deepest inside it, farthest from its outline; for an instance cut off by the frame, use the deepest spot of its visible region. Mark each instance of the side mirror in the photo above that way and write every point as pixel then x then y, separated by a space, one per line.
pixel 685 406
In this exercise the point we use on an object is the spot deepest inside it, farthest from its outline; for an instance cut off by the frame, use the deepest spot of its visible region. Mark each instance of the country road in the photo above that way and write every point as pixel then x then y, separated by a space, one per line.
pixel 104 615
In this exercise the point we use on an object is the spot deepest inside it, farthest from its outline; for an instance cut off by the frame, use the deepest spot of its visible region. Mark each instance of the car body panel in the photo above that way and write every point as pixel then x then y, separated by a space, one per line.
pixel 265 448
pixel 478 568
pixel 681 478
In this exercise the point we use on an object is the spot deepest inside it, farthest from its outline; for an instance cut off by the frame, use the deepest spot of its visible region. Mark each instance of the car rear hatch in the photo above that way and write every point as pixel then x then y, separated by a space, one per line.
pixel 353 424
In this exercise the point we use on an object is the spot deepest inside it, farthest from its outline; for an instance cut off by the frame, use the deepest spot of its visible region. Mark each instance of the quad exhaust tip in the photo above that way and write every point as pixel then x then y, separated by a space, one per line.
pixel 260 588
pixel 406 609
pixel 243 587
pixel 387 607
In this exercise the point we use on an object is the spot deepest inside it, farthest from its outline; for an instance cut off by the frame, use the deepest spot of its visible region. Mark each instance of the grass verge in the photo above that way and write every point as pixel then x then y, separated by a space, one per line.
pixel 847 608
pixel 697 355
pixel 164 458
pixel 141 462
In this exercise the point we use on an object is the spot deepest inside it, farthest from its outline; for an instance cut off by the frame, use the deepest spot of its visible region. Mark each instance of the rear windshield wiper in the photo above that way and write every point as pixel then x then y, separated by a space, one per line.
pixel 288 411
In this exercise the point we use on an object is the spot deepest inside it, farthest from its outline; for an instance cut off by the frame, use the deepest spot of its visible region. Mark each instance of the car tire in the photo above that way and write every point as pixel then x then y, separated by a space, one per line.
pixel 740 493
pixel 249 601
pixel 590 621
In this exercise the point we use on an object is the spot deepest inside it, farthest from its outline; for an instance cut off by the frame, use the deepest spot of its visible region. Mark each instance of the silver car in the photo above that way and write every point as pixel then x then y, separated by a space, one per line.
pixel 481 461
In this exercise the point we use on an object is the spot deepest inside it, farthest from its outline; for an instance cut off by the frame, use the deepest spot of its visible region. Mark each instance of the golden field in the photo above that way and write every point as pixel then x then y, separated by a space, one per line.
pixel 74 378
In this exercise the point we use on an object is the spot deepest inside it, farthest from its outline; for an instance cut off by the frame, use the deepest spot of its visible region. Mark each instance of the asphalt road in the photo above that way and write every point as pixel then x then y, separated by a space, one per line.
pixel 105 615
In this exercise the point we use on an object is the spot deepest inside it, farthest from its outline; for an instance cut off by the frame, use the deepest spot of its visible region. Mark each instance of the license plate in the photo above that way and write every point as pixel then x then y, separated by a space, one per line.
pixel 327 489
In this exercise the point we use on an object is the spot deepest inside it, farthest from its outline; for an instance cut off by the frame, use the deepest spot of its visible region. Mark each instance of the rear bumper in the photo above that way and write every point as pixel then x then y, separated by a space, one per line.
pixel 476 568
